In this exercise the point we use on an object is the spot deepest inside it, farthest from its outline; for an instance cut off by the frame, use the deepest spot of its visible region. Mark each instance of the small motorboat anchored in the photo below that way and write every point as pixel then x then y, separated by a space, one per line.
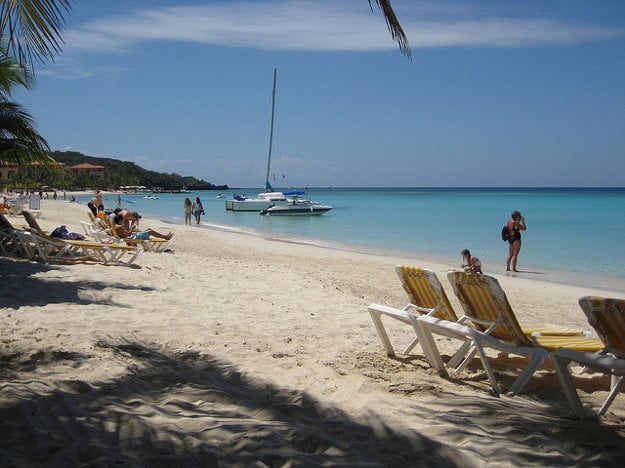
pixel 297 207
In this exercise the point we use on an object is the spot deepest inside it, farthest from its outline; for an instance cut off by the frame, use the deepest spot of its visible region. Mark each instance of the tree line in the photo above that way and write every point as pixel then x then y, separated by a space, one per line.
pixel 116 174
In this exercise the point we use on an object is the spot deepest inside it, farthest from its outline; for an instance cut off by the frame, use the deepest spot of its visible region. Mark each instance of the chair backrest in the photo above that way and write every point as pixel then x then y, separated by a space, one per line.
pixel 5 224
pixel 32 222
pixel 425 291
pixel 486 305
pixel 112 227
pixel 607 317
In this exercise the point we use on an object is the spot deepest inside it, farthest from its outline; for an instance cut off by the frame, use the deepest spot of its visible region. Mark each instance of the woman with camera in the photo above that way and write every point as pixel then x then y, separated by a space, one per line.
pixel 515 225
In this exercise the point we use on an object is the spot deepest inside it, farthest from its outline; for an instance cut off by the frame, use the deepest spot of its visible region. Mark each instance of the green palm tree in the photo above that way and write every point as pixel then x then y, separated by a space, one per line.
pixel 19 140
pixel 30 30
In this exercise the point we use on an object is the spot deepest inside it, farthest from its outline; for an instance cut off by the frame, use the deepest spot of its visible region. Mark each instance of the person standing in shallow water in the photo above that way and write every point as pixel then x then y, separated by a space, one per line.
pixel 198 210
pixel 515 225
pixel 188 207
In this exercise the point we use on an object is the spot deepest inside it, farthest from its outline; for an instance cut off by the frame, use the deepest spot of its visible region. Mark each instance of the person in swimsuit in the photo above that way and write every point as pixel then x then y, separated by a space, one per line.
pixel 126 227
pixel 515 225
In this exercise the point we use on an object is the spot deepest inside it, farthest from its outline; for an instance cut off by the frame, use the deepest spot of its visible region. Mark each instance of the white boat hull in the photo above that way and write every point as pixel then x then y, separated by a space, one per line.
pixel 252 204
pixel 262 202
pixel 297 210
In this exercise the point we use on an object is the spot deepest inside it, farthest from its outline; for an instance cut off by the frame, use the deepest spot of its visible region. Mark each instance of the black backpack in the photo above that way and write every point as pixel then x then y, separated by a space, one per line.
pixel 505 234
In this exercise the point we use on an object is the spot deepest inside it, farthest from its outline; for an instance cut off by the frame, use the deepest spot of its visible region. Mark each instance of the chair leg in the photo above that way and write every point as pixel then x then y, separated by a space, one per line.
pixel 429 347
pixel 459 356
pixel 376 316
pixel 538 356
pixel 617 382
pixel 412 344
pixel 561 365
pixel 486 365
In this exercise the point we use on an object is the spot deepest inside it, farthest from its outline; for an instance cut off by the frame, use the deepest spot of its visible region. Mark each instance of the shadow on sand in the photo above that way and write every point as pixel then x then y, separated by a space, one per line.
pixel 20 279
pixel 188 409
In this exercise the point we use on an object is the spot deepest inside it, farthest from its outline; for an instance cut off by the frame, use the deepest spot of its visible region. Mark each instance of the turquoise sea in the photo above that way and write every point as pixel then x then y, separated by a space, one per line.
pixel 573 234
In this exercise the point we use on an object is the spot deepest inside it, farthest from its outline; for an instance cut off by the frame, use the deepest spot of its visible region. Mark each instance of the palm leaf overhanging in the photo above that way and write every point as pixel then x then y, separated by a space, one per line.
pixel 20 142
pixel 394 27
pixel 30 30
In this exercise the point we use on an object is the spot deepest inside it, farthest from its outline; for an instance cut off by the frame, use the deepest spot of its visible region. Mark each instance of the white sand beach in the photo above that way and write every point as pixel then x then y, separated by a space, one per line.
pixel 233 350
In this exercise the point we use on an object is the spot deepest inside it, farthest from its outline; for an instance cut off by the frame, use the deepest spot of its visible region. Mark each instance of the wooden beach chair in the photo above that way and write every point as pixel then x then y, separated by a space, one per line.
pixel 494 325
pixel 607 317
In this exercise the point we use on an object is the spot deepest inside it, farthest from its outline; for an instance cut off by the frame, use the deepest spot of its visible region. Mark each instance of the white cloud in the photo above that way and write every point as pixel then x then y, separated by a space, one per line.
pixel 324 26
pixel 68 68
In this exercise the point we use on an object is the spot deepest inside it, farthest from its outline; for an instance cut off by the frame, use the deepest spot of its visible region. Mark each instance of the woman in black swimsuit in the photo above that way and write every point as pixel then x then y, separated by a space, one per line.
pixel 515 226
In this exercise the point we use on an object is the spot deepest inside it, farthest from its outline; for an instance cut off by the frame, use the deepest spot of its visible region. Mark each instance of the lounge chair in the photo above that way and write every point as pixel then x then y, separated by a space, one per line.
pixel 153 244
pixel 51 249
pixel 494 325
pixel 607 317
pixel 426 297
pixel 13 241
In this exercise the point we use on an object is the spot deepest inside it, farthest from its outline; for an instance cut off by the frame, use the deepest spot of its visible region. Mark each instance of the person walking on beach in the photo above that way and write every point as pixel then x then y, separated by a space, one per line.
pixel 198 210
pixel 515 225
pixel 188 207
pixel 470 263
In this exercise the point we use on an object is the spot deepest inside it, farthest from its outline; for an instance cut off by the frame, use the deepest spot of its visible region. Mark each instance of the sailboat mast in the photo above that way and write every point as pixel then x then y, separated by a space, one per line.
pixel 273 108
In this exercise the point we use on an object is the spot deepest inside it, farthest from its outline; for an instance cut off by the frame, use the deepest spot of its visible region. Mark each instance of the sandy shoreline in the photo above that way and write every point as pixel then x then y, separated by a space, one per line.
pixel 238 350
pixel 609 285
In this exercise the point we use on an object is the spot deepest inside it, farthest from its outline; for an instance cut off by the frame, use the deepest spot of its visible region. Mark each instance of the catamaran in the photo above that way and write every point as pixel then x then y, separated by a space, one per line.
pixel 267 201
pixel 263 200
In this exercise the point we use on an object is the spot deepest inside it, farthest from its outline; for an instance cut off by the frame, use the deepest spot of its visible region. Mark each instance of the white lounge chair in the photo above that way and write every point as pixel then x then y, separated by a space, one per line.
pixel 426 296
pixel 52 249
pixel 607 317
pixel 494 325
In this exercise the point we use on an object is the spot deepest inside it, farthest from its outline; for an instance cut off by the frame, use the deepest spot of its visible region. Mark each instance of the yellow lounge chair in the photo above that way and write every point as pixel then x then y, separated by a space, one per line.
pixel 494 325
pixel 607 317
pixel 426 296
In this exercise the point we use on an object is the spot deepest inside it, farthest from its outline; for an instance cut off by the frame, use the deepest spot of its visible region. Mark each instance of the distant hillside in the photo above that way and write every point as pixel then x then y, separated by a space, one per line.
pixel 120 173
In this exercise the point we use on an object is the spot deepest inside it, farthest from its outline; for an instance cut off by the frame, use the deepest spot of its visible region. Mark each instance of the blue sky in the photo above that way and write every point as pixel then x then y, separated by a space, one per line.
pixel 498 93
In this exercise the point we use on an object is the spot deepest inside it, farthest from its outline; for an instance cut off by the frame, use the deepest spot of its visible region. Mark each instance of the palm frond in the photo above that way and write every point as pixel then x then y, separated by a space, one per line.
pixel 31 29
pixel 394 27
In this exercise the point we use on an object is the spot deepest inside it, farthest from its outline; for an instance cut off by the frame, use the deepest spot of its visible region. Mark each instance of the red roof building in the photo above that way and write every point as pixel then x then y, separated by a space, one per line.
pixel 86 168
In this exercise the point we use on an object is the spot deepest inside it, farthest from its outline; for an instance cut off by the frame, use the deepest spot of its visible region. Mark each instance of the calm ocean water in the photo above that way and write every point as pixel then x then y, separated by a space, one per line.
pixel 573 235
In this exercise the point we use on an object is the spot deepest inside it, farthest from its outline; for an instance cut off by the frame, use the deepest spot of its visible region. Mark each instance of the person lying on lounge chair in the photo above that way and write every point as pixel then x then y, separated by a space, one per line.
pixel 125 228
